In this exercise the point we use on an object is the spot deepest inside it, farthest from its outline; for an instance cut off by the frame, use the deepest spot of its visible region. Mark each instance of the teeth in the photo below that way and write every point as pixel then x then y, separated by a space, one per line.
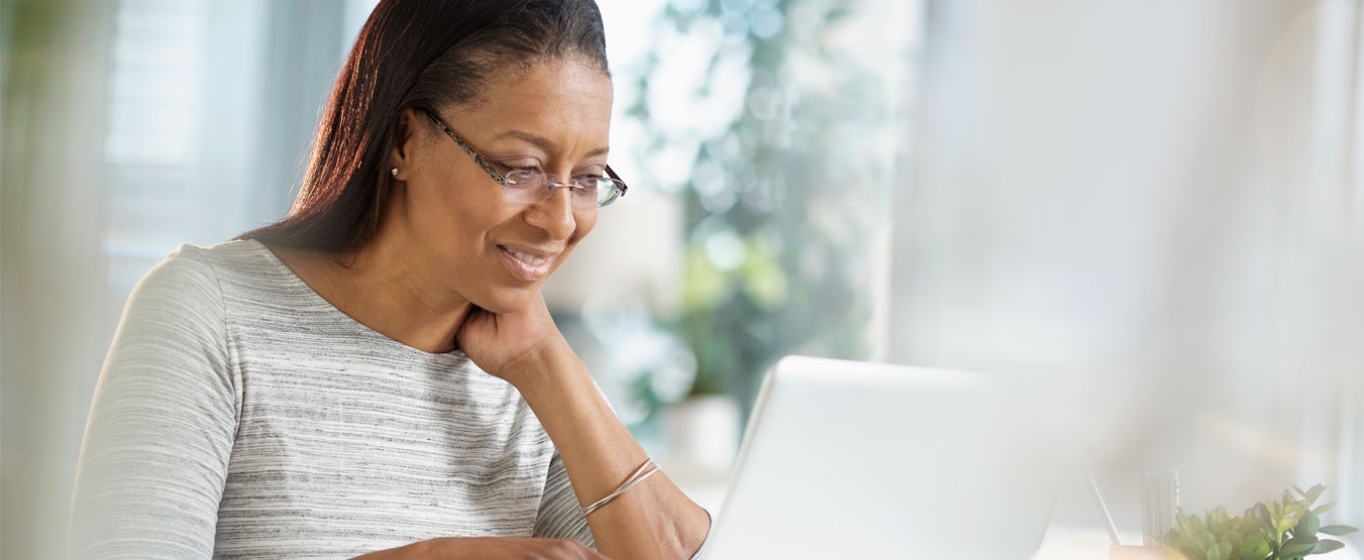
pixel 529 260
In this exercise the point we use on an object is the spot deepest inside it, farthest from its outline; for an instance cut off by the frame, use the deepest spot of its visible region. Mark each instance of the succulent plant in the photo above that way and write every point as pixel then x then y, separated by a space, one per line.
pixel 1280 529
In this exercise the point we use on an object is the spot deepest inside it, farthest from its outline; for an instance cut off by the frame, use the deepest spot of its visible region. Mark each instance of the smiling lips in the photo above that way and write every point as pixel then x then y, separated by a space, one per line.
pixel 528 264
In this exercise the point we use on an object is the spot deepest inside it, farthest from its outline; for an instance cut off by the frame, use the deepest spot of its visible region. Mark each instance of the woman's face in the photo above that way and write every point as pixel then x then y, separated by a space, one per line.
pixel 450 213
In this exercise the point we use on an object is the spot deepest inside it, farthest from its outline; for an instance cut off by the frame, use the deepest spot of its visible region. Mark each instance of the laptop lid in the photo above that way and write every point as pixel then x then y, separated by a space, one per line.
pixel 859 460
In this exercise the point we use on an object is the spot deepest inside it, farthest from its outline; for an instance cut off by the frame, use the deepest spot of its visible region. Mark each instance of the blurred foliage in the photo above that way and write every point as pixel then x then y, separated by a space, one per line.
pixel 783 201
pixel 1274 529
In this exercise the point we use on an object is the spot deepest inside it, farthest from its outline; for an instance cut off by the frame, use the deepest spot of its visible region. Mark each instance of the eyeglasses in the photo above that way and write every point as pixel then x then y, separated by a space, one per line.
pixel 530 185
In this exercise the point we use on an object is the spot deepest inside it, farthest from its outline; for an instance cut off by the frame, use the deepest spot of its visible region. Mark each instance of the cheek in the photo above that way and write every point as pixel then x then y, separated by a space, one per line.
pixel 585 225
pixel 454 221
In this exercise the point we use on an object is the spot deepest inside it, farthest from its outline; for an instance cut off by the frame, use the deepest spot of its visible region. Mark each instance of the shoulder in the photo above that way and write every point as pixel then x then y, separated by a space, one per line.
pixel 196 284
pixel 183 278
pixel 179 299
pixel 238 271
pixel 174 329
pixel 230 259
pixel 195 264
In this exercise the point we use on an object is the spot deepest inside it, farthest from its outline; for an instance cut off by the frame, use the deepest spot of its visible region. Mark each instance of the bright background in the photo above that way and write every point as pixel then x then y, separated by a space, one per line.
pixel 1157 203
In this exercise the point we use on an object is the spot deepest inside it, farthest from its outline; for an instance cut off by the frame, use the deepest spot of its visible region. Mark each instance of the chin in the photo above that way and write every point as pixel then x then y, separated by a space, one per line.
pixel 502 300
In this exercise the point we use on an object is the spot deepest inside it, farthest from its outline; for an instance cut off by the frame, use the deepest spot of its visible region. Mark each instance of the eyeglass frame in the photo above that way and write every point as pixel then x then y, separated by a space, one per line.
pixel 501 179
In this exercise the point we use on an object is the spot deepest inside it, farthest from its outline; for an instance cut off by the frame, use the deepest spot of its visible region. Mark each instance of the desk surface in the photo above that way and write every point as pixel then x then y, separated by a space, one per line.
pixel 1083 543
pixel 1060 543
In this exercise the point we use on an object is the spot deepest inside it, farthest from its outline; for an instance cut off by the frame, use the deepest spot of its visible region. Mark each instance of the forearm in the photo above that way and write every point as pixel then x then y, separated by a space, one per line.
pixel 652 520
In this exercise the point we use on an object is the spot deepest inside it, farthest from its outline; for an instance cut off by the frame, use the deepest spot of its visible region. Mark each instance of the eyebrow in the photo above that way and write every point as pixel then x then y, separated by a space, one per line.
pixel 544 143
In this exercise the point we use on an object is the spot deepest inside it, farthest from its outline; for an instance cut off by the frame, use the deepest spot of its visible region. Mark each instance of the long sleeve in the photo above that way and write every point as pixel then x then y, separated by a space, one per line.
pixel 559 516
pixel 162 423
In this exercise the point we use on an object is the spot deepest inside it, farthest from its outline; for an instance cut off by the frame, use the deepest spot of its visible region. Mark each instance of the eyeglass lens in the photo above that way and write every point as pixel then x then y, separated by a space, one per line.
pixel 531 186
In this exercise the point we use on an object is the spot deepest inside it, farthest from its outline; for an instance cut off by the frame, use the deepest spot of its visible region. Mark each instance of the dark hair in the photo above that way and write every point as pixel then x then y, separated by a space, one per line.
pixel 419 54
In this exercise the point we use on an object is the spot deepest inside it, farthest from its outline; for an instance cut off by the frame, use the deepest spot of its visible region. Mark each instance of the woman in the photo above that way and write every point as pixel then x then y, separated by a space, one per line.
pixel 377 375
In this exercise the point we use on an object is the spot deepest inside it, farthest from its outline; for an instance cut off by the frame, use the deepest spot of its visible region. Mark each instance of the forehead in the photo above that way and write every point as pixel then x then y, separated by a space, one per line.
pixel 554 97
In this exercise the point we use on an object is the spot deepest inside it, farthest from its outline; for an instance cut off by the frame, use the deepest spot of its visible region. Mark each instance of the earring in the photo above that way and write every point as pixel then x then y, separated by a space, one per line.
pixel 393 172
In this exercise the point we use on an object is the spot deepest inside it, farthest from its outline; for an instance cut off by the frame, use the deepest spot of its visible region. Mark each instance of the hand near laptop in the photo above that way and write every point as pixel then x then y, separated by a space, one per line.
pixel 488 547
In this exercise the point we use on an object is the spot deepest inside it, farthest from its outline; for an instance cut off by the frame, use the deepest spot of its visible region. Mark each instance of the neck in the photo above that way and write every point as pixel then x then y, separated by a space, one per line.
pixel 384 288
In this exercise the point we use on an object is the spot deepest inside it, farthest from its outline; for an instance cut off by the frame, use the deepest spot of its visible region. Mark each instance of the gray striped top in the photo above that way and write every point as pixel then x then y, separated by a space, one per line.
pixel 240 415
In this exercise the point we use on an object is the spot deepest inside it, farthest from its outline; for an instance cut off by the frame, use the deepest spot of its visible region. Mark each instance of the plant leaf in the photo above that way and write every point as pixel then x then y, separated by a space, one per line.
pixel 1262 514
pixel 1219 551
pixel 1313 493
pixel 1218 517
pixel 1205 540
pixel 1327 545
pixel 1337 530
pixel 1296 550
pixel 1324 508
pixel 1294 510
pixel 1183 526
pixel 1305 539
pixel 1308 525
pixel 1260 547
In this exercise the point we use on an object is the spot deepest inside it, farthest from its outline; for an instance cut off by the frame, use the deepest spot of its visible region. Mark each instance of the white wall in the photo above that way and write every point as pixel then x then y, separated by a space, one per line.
pixel 1132 197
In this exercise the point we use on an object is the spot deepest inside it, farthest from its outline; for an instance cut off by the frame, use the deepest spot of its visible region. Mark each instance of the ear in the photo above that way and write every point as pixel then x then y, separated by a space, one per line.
pixel 404 138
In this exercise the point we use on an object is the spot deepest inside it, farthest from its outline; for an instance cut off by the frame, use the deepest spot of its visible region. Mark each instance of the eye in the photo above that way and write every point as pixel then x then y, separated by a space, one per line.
pixel 588 181
pixel 524 175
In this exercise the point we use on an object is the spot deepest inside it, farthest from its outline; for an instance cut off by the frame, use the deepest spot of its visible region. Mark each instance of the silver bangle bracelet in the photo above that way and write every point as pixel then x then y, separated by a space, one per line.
pixel 644 471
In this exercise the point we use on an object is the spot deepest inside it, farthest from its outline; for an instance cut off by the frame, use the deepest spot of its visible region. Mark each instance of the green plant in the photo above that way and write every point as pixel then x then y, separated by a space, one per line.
pixel 788 190
pixel 1278 529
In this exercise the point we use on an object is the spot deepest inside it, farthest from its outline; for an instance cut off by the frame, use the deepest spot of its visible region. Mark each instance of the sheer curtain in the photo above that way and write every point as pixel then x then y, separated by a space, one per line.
pixel 52 295
pixel 1159 203
pixel 128 128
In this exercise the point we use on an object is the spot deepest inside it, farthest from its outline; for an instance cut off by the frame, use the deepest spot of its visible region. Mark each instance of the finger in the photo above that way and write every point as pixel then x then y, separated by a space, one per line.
pixel 589 554
pixel 472 316
pixel 569 549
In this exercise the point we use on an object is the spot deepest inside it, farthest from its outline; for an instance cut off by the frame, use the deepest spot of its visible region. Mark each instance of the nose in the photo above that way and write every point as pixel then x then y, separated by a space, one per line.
pixel 554 214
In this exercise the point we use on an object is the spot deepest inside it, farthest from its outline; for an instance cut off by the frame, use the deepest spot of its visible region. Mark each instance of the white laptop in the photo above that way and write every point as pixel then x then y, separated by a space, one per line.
pixel 858 460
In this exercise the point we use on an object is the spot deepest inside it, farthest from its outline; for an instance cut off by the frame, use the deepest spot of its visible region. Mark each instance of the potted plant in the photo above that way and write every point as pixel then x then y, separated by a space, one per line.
pixel 1277 529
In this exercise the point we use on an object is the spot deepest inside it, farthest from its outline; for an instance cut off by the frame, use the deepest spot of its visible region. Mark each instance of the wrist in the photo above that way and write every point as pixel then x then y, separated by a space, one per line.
pixel 544 369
